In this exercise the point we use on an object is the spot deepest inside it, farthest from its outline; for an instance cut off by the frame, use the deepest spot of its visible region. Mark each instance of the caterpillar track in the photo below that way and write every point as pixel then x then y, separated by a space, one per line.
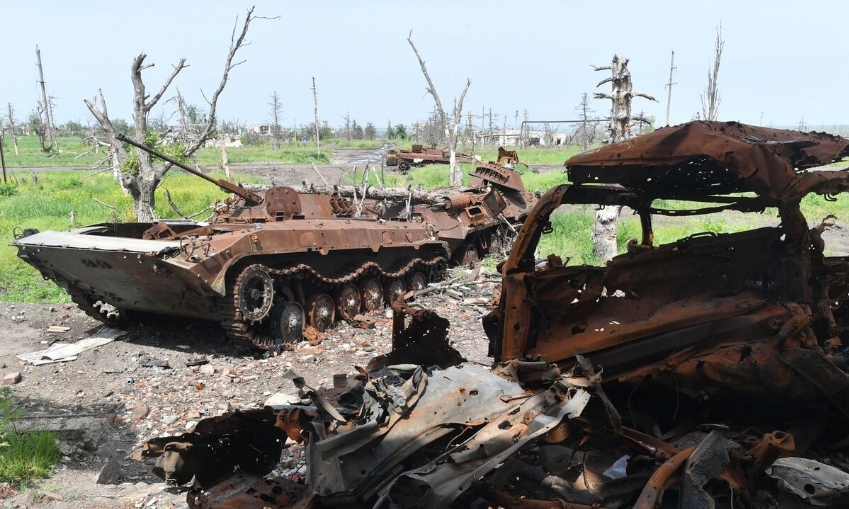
pixel 267 323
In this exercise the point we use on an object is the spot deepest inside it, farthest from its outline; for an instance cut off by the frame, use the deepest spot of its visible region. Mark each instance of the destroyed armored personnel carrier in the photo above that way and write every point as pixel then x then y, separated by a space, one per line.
pixel 269 265
pixel 418 155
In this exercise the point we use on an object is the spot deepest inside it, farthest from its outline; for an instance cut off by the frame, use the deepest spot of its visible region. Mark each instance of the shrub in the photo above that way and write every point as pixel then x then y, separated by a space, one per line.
pixel 8 189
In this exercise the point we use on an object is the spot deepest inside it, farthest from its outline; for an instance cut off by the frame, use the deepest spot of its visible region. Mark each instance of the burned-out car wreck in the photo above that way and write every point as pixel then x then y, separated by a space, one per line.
pixel 707 372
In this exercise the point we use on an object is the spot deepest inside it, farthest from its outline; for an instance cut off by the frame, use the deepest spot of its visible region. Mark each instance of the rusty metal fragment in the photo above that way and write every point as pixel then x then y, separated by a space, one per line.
pixel 247 441
pixel 241 491
pixel 423 341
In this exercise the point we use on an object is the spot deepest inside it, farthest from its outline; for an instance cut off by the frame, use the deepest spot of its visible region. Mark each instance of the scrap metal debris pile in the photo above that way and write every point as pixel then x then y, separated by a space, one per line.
pixel 274 266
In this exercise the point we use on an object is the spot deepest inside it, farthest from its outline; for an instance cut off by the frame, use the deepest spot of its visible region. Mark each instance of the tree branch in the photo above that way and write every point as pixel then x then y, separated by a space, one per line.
pixel 174 205
pixel 605 80
pixel 179 67
pixel 102 116
pixel 430 88
pixel 644 96
pixel 235 44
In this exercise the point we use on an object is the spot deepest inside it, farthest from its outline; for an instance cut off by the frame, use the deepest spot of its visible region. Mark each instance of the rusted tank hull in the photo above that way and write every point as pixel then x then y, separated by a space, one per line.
pixel 237 274
pixel 129 279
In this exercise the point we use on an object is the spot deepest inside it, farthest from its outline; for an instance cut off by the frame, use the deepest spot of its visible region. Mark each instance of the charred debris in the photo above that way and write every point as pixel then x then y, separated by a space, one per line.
pixel 275 265
pixel 705 373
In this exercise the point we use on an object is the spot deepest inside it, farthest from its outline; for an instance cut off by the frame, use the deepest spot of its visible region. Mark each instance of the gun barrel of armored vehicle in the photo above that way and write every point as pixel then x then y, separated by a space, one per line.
pixel 249 197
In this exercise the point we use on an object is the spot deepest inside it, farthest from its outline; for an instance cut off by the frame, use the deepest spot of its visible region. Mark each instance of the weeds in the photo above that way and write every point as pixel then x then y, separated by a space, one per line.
pixel 23 456
pixel 264 153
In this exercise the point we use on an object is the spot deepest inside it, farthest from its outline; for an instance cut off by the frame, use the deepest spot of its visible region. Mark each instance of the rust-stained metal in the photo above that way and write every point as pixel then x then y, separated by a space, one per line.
pixel 248 440
pixel 243 491
pixel 704 373
pixel 420 155
pixel 721 317
pixel 273 266
pixel 464 436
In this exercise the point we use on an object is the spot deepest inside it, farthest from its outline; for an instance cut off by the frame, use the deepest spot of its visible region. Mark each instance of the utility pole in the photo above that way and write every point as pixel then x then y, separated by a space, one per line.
pixel 471 128
pixel 315 101
pixel 48 124
pixel 669 85
pixel 761 123
pixel 2 158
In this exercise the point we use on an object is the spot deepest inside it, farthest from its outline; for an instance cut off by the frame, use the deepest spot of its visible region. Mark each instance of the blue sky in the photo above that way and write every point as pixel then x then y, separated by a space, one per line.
pixel 782 59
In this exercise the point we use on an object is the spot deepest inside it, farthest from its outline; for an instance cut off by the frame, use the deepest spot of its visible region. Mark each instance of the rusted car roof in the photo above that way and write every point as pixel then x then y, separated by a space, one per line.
pixel 712 158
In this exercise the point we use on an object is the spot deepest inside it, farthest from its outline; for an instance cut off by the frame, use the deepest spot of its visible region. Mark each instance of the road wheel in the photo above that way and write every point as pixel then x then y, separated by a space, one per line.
pixel 255 293
pixel 322 311
pixel 371 292
pixel 416 281
pixel 395 289
pixel 348 302
pixel 470 257
pixel 286 323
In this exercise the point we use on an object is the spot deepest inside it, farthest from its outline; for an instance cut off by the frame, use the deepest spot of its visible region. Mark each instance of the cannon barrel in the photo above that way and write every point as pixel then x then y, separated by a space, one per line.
pixel 249 197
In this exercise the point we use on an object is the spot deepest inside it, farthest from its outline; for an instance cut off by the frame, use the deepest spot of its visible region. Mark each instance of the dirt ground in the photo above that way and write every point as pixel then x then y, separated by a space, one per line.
pixel 112 398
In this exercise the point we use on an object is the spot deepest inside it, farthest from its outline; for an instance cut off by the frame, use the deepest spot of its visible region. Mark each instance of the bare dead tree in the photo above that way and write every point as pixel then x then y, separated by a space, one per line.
pixel 347 118
pixel 225 160
pixel 317 125
pixel 184 124
pixel 276 109
pixel 11 120
pixel 621 94
pixel 711 97
pixel 451 131
pixel 49 130
pixel 585 135
pixel 143 176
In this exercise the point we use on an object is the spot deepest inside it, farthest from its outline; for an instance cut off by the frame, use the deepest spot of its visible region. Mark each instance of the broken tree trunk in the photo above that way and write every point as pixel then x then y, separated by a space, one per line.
pixel 225 161
pixel 607 217
pixel 451 134
pixel 12 126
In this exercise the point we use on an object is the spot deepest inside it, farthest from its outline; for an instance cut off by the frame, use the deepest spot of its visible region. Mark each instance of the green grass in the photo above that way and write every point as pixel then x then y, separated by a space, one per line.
pixel 572 233
pixel 288 153
pixel 389 178
pixel 69 147
pixel 65 154
pixel 46 205
pixel 23 456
